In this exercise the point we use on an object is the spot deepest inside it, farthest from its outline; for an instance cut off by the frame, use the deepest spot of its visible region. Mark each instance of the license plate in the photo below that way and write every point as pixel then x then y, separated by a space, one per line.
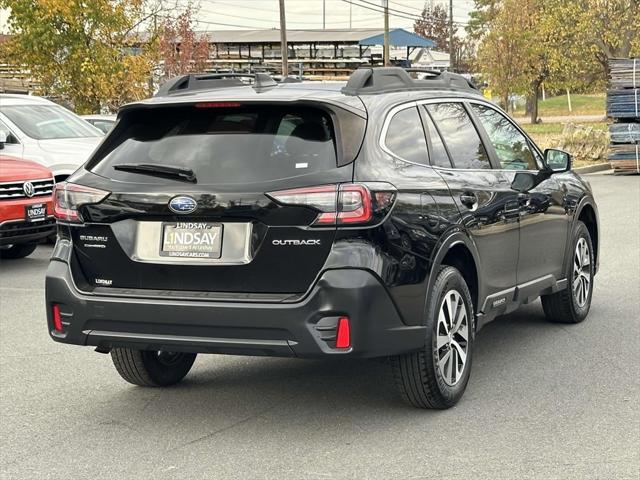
pixel 191 240
pixel 35 212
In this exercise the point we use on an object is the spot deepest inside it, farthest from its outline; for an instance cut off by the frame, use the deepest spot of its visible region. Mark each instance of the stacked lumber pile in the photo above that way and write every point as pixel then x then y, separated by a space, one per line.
pixel 623 107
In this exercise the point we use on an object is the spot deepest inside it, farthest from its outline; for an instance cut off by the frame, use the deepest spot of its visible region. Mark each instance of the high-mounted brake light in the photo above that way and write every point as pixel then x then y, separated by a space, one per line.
pixel 69 197
pixel 217 104
pixel 347 204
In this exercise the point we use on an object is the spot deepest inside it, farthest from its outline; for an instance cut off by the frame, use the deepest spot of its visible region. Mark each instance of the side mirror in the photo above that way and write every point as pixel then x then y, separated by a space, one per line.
pixel 557 161
pixel 3 139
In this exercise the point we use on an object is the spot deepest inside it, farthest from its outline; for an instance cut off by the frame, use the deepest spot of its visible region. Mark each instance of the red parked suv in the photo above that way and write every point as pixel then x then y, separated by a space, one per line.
pixel 26 207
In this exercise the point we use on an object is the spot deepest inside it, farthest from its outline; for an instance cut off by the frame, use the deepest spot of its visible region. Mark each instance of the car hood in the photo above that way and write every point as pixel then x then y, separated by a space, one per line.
pixel 16 170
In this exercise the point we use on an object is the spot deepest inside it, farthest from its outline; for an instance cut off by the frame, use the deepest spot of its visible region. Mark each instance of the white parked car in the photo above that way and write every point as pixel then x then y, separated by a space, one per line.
pixel 103 122
pixel 47 133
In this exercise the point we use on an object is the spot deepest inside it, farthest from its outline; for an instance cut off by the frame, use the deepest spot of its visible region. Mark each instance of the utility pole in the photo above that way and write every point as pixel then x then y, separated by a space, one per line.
pixel 387 62
pixel 284 50
pixel 350 10
pixel 324 10
pixel 451 54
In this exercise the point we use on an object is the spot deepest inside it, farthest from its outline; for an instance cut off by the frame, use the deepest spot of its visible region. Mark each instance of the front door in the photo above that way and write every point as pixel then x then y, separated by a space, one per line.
pixel 543 218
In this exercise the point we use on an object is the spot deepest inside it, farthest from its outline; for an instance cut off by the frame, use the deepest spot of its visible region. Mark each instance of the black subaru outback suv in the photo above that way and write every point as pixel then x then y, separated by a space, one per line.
pixel 388 217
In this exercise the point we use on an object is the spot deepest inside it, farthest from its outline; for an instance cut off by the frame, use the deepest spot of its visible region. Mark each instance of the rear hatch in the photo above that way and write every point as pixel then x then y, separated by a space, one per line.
pixel 185 198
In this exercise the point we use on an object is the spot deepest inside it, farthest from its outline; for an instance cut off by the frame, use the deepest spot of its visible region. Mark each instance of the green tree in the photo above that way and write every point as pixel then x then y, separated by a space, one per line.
pixel 598 29
pixel 527 44
pixel 86 51
pixel 504 54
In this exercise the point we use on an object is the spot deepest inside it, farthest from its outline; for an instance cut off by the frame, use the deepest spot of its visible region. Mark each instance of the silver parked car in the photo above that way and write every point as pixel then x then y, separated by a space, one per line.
pixel 47 133
pixel 103 122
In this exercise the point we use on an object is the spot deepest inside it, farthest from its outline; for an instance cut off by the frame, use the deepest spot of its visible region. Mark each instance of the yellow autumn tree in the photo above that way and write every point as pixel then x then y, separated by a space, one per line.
pixel 88 52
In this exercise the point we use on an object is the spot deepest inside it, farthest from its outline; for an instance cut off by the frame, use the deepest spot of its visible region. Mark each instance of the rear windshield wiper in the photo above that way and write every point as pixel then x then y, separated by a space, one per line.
pixel 167 171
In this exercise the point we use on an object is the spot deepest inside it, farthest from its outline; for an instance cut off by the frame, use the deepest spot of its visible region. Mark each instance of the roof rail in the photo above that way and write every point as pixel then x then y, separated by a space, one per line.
pixel 395 79
pixel 207 81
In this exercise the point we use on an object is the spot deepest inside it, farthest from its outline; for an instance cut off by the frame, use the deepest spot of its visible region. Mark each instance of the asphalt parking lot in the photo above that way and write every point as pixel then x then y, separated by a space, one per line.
pixel 544 401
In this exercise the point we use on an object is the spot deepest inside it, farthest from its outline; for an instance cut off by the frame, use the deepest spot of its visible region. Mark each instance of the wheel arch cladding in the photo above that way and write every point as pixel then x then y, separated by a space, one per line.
pixel 588 217
pixel 460 257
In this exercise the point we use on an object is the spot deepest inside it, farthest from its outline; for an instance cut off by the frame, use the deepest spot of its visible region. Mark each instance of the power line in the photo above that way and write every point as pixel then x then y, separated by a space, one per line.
pixel 274 21
pixel 391 14
pixel 378 10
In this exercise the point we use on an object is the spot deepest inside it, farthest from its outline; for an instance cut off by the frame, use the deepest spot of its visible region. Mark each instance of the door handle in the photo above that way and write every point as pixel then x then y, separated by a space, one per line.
pixel 523 199
pixel 468 199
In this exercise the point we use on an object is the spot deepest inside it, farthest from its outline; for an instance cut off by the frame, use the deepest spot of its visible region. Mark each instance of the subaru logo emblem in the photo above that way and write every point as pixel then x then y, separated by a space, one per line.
pixel 182 204
pixel 28 189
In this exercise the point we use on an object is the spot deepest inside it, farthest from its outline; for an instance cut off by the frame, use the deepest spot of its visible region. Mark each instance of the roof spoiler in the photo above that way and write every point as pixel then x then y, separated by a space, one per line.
pixel 208 81
pixel 395 79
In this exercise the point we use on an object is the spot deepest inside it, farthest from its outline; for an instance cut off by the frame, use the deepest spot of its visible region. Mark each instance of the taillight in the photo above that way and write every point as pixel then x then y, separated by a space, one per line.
pixel 69 197
pixel 346 204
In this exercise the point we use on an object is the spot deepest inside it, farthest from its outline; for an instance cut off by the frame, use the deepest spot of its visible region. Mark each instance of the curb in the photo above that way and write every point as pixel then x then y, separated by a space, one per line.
pixel 599 167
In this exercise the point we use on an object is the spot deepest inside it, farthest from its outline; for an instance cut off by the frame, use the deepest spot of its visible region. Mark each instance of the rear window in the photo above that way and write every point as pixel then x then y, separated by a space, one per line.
pixel 223 145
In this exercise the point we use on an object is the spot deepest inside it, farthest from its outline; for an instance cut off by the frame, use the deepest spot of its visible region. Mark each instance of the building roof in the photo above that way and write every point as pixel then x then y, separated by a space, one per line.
pixel 329 35
pixel 399 37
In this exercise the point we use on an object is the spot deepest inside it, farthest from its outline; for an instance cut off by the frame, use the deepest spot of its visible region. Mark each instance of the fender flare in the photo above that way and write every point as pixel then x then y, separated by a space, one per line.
pixel 586 200
pixel 455 238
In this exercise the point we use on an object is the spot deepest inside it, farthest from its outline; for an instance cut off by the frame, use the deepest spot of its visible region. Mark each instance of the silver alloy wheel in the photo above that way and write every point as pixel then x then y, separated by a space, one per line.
pixel 452 337
pixel 581 272
pixel 168 359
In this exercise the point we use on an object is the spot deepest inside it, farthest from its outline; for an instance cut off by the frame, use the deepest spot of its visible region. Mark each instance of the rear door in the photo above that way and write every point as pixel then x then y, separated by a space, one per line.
pixel 217 228
pixel 488 206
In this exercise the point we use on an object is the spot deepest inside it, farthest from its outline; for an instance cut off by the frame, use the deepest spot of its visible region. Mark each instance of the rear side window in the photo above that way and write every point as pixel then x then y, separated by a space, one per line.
pixel 438 154
pixel 223 145
pixel 459 135
pixel 405 136
pixel 510 144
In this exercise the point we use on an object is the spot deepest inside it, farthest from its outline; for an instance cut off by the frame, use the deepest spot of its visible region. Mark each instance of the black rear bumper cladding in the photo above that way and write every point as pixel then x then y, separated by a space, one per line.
pixel 239 328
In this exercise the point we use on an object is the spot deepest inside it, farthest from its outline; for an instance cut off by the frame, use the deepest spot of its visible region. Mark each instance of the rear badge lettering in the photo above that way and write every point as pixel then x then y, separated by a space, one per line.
pixel 103 281
pixel 296 242
pixel 94 238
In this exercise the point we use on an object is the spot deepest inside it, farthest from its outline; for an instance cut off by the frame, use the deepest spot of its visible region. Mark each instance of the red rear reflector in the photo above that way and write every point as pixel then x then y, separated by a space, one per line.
pixel 343 337
pixel 57 319
pixel 217 104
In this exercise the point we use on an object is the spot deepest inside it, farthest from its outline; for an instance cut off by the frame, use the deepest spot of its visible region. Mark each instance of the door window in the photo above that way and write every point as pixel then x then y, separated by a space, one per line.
pixel 405 136
pixel 459 135
pixel 510 144
pixel 437 154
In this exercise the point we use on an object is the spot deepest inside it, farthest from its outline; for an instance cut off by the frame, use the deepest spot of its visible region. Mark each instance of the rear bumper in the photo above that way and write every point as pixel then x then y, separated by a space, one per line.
pixel 301 329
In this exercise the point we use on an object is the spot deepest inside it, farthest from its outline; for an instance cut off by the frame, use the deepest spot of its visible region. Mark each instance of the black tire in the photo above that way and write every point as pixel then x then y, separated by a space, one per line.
pixel 17 251
pixel 418 374
pixel 151 368
pixel 565 306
